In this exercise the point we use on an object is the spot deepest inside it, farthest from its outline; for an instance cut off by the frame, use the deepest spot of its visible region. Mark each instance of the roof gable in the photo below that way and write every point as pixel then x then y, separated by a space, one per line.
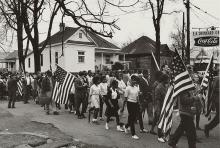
pixel 144 45
pixel 69 32
pixel 61 36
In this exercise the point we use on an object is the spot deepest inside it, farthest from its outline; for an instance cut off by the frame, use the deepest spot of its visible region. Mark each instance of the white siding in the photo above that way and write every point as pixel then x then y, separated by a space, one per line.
pixel 46 58
pixel 71 58
pixel 31 68
pixel 17 65
pixel 75 37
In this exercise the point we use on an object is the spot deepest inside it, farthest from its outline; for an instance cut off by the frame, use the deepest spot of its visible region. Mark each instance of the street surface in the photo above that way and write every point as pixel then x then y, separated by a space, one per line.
pixel 31 118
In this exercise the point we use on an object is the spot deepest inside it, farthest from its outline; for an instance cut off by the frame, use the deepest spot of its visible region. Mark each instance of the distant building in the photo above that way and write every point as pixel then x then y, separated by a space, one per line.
pixel 139 53
pixel 200 58
pixel 9 61
pixel 81 50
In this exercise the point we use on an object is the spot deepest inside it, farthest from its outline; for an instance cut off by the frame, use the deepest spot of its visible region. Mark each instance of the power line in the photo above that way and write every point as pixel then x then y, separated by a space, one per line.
pixel 202 20
pixel 204 11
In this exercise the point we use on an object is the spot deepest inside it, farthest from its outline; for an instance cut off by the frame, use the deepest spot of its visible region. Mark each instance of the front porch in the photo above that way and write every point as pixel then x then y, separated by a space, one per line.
pixel 104 59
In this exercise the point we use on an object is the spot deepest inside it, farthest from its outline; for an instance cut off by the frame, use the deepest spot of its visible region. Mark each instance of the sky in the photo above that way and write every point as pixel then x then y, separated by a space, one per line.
pixel 139 23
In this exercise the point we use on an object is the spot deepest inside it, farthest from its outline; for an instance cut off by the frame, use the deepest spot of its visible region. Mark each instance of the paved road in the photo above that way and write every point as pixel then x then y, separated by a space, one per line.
pixel 81 130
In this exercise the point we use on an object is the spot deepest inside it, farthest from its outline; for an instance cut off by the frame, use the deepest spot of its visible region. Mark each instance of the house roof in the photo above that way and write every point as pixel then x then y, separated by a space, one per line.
pixel 69 31
pixel 3 55
pixel 61 35
pixel 144 45
pixel 12 55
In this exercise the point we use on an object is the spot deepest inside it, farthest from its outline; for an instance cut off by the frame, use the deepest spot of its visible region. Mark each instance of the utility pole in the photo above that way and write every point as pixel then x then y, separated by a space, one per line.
pixel 188 32
pixel 183 38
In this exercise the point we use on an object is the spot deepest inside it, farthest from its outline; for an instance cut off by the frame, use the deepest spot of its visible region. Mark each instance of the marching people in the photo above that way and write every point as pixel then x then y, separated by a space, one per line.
pixel 131 98
pixel 12 88
pixel 71 99
pixel 112 105
pixel 187 111
pixel 160 93
pixel 94 98
pixel 103 91
pixel 156 114
pixel 198 99
pixel 215 97
pixel 46 90
pixel 145 96
pixel 80 96
pixel 28 87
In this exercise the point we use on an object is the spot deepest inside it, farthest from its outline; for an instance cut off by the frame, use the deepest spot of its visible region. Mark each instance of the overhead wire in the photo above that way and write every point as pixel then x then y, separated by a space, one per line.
pixel 216 18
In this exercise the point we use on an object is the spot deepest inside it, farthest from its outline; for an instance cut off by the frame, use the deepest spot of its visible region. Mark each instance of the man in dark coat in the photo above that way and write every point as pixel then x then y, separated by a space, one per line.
pixel 215 96
pixel 80 95
pixel 146 96
pixel 12 88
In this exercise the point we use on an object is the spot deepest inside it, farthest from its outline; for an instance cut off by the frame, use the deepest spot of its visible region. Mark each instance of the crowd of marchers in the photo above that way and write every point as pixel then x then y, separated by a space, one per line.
pixel 107 94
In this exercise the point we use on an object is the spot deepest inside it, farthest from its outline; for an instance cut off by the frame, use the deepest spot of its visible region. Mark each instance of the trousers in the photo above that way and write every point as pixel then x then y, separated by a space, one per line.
pixel 186 125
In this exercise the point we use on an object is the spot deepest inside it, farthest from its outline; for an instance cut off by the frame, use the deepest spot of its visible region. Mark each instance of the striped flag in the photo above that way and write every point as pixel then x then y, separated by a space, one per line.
pixel 63 84
pixel 208 74
pixel 181 81
pixel 206 86
pixel 19 85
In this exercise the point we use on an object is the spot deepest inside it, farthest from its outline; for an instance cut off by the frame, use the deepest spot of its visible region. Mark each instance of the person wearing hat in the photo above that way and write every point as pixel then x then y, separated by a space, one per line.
pixel 12 88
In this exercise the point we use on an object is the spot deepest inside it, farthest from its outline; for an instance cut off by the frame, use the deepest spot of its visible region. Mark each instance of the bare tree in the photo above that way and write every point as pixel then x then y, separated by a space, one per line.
pixel 12 14
pixel 31 16
pixel 93 18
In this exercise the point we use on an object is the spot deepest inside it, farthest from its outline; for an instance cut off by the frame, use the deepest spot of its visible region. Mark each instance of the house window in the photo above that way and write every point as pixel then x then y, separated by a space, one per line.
pixel 80 35
pixel 107 59
pixel 41 59
pixel 81 56
pixel 29 62
pixel 56 57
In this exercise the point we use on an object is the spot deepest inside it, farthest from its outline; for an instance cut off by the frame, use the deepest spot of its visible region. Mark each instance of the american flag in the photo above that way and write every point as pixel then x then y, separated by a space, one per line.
pixel 181 81
pixel 206 86
pixel 19 85
pixel 208 76
pixel 63 84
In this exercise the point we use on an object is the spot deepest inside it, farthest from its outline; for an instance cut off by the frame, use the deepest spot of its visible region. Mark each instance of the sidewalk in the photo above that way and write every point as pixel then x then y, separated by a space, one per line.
pixel 86 132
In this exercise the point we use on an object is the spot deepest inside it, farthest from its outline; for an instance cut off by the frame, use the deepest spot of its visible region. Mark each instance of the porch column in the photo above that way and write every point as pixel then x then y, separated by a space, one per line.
pixel 102 61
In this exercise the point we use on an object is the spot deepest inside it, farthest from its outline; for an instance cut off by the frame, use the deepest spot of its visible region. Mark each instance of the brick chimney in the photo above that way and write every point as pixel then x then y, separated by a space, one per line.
pixel 62 26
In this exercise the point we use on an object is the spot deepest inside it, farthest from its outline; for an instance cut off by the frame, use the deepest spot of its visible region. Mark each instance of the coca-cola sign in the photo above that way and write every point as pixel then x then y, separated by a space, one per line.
pixel 206 38
pixel 207 41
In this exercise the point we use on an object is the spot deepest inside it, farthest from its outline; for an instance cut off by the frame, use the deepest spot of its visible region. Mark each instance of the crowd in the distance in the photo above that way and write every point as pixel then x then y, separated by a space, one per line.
pixel 117 92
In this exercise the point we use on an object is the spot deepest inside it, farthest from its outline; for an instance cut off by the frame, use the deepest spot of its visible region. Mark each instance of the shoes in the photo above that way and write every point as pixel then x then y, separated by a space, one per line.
pixel 125 129
pixel 101 119
pixel 172 145
pixel 9 106
pixel 95 121
pixel 119 128
pixel 144 131
pixel 12 107
pixel 80 117
pixel 47 113
pixel 162 140
pixel 106 126
pixel 135 137
pixel 83 116
pixel 198 128
pixel 206 131
pixel 56 113
pixel 153 132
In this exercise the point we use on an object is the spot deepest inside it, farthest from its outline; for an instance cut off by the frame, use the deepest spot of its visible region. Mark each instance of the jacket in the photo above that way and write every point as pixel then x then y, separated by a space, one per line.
pixel 12 85
pixel 215 90
pixel 187 103
pixel 79 86
pixel 160 93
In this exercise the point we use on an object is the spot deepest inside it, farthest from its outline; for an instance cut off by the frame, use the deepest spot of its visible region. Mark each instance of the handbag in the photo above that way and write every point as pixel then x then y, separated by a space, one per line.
pixel 44 99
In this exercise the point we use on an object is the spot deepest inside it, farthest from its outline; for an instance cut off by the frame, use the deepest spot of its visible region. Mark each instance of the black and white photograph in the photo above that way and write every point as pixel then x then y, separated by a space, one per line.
pixel 109 73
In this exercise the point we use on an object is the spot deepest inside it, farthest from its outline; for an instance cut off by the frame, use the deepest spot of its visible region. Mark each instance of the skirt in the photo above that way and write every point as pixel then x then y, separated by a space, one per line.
pixel 95 101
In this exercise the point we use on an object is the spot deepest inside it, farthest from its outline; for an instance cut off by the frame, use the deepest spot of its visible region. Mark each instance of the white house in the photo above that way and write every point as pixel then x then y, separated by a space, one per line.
pixel 81 50
pixel 9 61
